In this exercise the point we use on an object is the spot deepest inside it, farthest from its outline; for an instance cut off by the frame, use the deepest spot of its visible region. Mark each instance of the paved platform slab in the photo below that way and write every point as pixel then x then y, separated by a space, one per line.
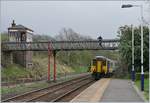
pixel 120 90
pixel 94 92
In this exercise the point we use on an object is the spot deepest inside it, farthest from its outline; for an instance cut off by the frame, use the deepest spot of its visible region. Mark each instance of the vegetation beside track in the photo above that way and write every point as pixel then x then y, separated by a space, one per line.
pixel 14 71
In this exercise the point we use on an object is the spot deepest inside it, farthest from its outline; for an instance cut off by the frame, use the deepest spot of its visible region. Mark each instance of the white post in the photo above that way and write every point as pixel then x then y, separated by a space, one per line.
pixel 132 48
pixel 149 45
pixel 142 71
pixel 133 71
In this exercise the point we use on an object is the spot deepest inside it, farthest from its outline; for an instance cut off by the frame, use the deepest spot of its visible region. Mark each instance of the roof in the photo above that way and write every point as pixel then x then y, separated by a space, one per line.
pixel 100 57
pixel 104 58
pixel 20 27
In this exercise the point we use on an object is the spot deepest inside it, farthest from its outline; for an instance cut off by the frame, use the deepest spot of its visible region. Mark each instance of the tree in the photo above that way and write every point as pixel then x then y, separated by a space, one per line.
pixel 125 48
pixel 38 37
pixel 73 58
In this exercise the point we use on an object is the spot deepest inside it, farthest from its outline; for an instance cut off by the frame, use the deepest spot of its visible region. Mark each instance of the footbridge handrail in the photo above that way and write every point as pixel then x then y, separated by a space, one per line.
pixel 107 44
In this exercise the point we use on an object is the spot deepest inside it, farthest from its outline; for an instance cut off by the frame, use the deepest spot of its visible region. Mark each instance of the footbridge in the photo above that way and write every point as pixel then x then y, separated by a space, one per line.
pixel 106 44
pixel 24 54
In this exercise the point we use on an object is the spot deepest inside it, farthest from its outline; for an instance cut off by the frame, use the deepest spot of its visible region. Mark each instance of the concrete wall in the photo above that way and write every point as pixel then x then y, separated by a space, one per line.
pixel 28 60
pixel 24 58
pixel 19 58
pixel 6 58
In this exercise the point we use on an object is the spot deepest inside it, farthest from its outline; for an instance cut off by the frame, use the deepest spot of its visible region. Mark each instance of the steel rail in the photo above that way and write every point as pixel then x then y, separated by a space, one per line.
pixel 69 92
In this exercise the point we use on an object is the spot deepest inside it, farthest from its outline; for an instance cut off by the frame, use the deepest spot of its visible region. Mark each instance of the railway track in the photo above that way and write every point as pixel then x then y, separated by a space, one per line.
pixel 72 93
pixel 54 92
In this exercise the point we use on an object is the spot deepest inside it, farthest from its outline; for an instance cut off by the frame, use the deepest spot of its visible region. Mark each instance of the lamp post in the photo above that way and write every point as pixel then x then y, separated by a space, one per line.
pixel 142 71
pixel 149 45
pixel 133 70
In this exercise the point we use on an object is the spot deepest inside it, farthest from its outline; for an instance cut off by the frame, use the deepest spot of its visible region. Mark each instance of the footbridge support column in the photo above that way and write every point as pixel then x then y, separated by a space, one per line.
pixel 54 74
pixel 48 71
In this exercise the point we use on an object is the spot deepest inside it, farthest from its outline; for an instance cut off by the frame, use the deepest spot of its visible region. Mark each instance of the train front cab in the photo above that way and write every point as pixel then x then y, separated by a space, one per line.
pixel 98 69
pixel 101 68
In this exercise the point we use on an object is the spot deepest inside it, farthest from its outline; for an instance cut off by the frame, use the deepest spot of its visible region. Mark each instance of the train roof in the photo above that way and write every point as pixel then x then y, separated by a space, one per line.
pixel 104 58
pixel 100 57
pixel 109 59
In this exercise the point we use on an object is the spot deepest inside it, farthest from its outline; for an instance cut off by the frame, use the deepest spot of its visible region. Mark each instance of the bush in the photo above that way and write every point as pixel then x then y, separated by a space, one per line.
pixel 14 71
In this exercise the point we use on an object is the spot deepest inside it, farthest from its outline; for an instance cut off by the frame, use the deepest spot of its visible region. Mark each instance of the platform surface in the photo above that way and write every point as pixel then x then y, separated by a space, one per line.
pixel 94 92
pixel 109 90
pixel 120 90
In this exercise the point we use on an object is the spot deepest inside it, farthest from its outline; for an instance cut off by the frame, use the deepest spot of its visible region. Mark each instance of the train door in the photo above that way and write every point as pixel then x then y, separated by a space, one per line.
pixel 108 66
pixel 99 66
pixel 104 67
pixel 93 65
pixel 98 69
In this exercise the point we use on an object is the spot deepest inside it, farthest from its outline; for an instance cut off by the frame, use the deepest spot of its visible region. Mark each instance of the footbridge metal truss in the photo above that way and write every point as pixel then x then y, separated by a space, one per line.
pixel 107 44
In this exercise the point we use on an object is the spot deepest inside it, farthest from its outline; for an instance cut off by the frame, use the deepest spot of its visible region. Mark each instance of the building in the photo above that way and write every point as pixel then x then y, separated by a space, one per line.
pixel 20 33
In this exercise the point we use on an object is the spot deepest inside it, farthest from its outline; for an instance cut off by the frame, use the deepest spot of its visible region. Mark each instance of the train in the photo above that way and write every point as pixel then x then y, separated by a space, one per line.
pixel 102 67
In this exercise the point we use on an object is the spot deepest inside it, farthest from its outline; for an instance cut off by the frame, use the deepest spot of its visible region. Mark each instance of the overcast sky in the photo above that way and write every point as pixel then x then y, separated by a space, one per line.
pixel 91 18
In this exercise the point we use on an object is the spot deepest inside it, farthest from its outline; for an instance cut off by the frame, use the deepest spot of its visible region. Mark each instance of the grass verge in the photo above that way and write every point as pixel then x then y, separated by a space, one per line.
pixel 14 71
pixel 146 87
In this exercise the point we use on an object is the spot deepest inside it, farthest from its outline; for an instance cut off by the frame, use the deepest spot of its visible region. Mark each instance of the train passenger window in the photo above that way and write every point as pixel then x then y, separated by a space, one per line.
pixel 94 62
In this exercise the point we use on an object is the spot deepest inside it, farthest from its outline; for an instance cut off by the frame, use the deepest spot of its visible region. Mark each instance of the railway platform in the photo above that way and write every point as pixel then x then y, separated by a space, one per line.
pixel 109 90
pixel 93 93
